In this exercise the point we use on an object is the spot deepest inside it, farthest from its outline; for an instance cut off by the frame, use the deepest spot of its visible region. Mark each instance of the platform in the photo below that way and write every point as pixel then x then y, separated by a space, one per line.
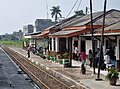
pixel 9 76
pixel 72 74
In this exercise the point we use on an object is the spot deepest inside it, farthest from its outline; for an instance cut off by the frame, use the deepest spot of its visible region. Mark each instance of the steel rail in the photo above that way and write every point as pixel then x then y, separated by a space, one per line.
pixel 27 71
pixel 13 55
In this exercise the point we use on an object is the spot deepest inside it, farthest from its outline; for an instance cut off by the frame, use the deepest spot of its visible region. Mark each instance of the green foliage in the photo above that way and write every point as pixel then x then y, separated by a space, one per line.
pixel 48 57
pixel 112 74
pixel 44 57
pixel 66 55
pixel 24 39
pixel 18 43
pixel 79 13
pixel 55 12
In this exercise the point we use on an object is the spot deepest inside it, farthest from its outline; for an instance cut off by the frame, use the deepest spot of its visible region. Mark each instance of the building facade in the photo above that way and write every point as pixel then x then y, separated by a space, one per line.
pixel 41 24
pixel 28 29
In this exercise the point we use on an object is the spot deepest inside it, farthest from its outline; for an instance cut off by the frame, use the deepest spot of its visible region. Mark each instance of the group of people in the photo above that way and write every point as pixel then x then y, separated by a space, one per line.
pixel 97 57
pixel 79 56
pixel 109 58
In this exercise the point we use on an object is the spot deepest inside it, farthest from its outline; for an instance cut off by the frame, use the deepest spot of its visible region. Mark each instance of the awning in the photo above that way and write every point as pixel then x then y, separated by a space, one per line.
pixel 106 34
pixel 72 31
pixel 27 36
pixel 42 35
pixel 67 33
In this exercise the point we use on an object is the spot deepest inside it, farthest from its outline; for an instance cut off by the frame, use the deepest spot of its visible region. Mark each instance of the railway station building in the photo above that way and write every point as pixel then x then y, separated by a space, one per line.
pixel 76 31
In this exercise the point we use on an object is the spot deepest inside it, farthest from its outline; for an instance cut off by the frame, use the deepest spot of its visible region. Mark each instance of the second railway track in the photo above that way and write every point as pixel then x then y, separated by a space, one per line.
pixel 43 79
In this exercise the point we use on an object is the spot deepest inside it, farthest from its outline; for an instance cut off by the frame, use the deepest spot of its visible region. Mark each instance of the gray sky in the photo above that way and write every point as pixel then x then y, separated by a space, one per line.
pixel 14 14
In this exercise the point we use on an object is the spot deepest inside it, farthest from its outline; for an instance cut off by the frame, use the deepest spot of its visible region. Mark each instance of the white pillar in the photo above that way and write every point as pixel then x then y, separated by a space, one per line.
pixel 117 49
pixel 52 44
pixel 30 42
pixel 49 44
pixel 72 44
pixel 98 44
pixel 57 44
pixel 79 44
pixel 104 47
pixel 67 43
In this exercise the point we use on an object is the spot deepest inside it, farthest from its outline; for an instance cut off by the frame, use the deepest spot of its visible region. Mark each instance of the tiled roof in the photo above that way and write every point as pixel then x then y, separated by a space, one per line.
pixel 111 16
pixel 64 32
pixel 114 26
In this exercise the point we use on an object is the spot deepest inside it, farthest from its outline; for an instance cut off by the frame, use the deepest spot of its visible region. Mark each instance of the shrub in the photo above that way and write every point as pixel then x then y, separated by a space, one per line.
pixel 112 74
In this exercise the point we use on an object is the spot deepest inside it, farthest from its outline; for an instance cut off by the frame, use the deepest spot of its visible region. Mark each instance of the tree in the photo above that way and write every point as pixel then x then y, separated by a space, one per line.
pixel 55 12
pixel 79 13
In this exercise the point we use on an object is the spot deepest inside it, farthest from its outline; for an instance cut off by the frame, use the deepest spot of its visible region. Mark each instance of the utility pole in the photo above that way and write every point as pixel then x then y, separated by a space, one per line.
pixel 47 8
pixel 102 42
pixel 92 32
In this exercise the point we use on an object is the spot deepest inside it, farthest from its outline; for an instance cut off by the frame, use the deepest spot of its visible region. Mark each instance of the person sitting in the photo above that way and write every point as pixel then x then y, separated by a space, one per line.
pixel 107 59
pixel 112 57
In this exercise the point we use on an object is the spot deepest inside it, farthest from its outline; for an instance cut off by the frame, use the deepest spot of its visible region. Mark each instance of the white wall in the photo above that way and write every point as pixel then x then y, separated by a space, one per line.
pixel 88 46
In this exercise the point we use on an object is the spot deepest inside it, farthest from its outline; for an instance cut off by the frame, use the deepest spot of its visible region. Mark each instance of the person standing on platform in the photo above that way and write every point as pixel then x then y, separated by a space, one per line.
pixel 28 49
pixel 90 57
pixel 83 57
pixel 97 57
pixel 76 53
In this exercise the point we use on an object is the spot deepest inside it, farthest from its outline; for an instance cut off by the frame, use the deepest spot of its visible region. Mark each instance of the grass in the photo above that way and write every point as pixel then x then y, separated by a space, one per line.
pixel 17 44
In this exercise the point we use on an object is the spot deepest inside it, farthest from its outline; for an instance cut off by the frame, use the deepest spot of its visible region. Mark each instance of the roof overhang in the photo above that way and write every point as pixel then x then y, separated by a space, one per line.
pixel 99 34
pixel 28 36
pixel 42 35
pixel 71 31
pixel 66 34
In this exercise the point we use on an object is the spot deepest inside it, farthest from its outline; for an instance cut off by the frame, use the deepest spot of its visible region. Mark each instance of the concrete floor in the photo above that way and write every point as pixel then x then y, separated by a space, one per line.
pixel 9 75
pixel 72 74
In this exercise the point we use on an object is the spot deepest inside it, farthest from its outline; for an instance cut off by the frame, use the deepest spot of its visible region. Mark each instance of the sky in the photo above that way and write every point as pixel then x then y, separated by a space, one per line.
pixel 14 14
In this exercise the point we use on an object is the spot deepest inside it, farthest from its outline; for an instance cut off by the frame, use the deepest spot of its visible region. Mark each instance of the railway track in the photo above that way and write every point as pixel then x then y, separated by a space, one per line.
pixel 43 79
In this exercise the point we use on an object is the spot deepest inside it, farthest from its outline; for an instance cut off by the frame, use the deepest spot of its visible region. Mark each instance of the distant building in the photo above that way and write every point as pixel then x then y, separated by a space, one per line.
pixel 28 29
pixel 41 24
pixel 18 34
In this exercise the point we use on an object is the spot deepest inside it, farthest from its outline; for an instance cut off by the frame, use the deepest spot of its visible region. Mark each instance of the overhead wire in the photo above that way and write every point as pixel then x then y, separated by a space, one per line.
pixel 47 8
pixel 79 5
pixel 72 8
pixel 92 9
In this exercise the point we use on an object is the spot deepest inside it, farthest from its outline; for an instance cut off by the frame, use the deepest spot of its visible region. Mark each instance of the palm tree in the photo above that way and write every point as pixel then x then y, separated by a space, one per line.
pixel 55 12
pixel 79 13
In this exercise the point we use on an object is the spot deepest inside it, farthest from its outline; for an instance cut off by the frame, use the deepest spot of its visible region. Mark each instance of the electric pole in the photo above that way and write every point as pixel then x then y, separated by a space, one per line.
pixel 92 32
pixel 102 41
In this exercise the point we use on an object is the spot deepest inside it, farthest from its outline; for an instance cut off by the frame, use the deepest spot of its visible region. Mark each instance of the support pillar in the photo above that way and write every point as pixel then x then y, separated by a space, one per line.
pixel 70 49
pixel 118 54
pixel 52 44
pixel 57 44
pixel 79 45
pixel 72 41
pixel 67 43
pixel 49 44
